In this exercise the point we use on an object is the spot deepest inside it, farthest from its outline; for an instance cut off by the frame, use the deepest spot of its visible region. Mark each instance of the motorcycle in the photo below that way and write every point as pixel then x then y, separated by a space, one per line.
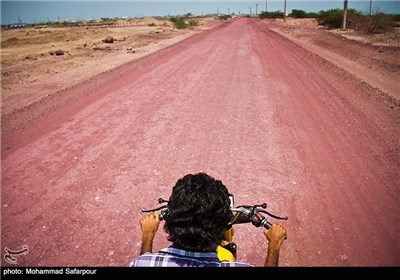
pixel 242 214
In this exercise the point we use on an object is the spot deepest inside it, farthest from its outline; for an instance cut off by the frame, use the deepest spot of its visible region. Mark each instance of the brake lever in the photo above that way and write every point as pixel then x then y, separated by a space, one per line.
pixel 155 209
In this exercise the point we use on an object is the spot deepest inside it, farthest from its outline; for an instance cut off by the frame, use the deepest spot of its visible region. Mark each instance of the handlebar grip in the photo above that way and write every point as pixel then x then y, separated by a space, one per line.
pixel 163 214
pixel 268 225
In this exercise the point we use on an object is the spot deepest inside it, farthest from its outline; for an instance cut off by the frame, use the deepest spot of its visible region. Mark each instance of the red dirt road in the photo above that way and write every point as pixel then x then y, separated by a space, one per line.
pixel 274 122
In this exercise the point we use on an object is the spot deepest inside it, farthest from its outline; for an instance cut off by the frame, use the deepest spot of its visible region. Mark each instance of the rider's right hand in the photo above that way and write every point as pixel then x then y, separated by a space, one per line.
pixel 276 234
pixel 149 223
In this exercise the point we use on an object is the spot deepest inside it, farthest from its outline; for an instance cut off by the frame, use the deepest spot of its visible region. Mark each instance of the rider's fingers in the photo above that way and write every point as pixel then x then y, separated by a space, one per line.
pixel 157 216
pixel 153 216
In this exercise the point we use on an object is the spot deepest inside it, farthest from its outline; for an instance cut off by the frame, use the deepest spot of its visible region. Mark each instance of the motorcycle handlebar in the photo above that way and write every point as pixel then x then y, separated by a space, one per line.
pixel 242 214
pixel 252 214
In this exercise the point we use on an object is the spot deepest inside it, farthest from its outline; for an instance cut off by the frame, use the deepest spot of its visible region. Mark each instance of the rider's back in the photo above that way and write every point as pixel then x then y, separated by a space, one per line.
pixel 173 257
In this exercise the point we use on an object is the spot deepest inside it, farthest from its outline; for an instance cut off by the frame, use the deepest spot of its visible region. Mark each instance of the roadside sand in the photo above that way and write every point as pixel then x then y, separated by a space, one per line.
pixel 31 70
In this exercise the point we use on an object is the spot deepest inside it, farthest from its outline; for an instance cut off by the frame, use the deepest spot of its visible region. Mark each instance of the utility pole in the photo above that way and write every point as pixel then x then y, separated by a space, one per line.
pixel 370 7
pixel 256 9
pixel 266 5
pixel 284 10
pixel 250 10
pixel 229 11
pixel 345 14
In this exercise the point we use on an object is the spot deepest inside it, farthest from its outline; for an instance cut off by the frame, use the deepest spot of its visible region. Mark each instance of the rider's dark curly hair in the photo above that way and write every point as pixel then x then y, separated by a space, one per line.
pixel 199 213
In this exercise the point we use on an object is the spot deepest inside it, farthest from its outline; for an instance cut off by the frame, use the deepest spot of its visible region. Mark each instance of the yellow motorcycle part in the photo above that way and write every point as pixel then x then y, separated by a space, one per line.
pixel 229 235
pixel 224 254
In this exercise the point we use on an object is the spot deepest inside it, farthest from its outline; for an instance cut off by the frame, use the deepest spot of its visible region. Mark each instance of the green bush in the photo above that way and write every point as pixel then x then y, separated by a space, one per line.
pixel 334 18
pixel 312 15
pixel 173 19
pixel 224 17
pixel 377 23
pixel 277 14
pixel 179 22
pixel 396 17
pixel 302 14
pixel 193 22
pixel 298 14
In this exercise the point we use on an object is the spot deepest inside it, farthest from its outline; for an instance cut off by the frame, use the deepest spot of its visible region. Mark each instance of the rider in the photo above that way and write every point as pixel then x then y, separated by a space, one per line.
pixel 199 213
